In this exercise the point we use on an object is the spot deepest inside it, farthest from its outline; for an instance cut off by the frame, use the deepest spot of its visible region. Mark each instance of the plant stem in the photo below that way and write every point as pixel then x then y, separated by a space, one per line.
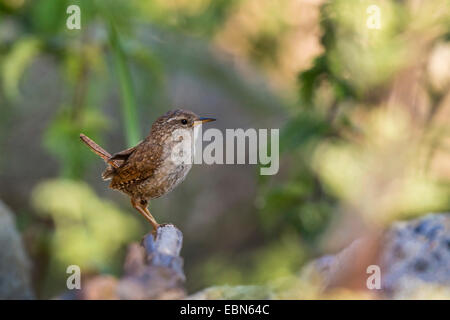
pixel 129 109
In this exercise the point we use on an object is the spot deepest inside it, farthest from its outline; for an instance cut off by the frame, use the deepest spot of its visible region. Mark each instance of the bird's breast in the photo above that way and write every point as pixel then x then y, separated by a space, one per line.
pixel 176 161
pixel 165 179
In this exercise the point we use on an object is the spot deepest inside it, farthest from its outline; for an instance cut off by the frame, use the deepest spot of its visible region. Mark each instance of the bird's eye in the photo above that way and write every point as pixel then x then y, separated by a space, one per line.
pixel 184 121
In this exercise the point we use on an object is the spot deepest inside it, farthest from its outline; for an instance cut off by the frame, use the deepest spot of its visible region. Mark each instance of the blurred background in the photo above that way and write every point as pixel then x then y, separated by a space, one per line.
pixel 363 111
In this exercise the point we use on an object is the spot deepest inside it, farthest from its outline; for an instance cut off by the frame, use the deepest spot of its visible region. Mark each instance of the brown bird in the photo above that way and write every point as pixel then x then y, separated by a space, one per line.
pixel 150 170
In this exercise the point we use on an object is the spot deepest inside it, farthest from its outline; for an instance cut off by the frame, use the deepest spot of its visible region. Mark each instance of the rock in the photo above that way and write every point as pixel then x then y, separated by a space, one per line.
pixel 14 265
pixel 233 293
pixel 152 270
pixel 413 256
pixel 416 253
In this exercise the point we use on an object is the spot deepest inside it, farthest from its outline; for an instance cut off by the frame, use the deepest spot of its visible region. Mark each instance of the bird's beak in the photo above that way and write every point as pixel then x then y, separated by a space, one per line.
pixel 203 120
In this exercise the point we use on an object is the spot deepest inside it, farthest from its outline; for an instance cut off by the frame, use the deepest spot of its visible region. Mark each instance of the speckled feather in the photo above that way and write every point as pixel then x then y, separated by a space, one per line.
pixel 146 171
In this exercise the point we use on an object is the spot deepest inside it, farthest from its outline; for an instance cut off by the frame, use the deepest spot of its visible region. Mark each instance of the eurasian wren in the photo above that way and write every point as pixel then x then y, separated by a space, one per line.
pixel 148 170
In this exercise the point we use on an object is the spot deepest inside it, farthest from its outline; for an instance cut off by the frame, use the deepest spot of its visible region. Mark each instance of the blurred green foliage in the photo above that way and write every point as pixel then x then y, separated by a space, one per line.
pixel 89 232
pixel 328 147
pixel 275 260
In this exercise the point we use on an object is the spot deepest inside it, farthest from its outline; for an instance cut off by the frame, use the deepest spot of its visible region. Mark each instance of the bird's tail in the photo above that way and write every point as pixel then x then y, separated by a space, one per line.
pixel 102 153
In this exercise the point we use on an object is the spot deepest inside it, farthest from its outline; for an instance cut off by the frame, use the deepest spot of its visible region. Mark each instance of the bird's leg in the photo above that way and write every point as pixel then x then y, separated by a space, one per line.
pixel 141 206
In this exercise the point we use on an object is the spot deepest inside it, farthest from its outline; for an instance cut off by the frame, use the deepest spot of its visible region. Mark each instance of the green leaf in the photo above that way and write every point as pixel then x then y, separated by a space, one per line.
pixel 15 63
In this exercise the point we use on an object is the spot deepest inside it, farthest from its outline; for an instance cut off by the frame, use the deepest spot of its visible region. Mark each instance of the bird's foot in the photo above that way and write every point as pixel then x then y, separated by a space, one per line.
pixel 159 225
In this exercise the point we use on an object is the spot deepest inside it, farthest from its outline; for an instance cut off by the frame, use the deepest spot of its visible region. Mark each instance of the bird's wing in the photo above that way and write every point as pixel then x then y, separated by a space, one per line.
pixel 139 165
pixel 124 154
pixel 116 161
